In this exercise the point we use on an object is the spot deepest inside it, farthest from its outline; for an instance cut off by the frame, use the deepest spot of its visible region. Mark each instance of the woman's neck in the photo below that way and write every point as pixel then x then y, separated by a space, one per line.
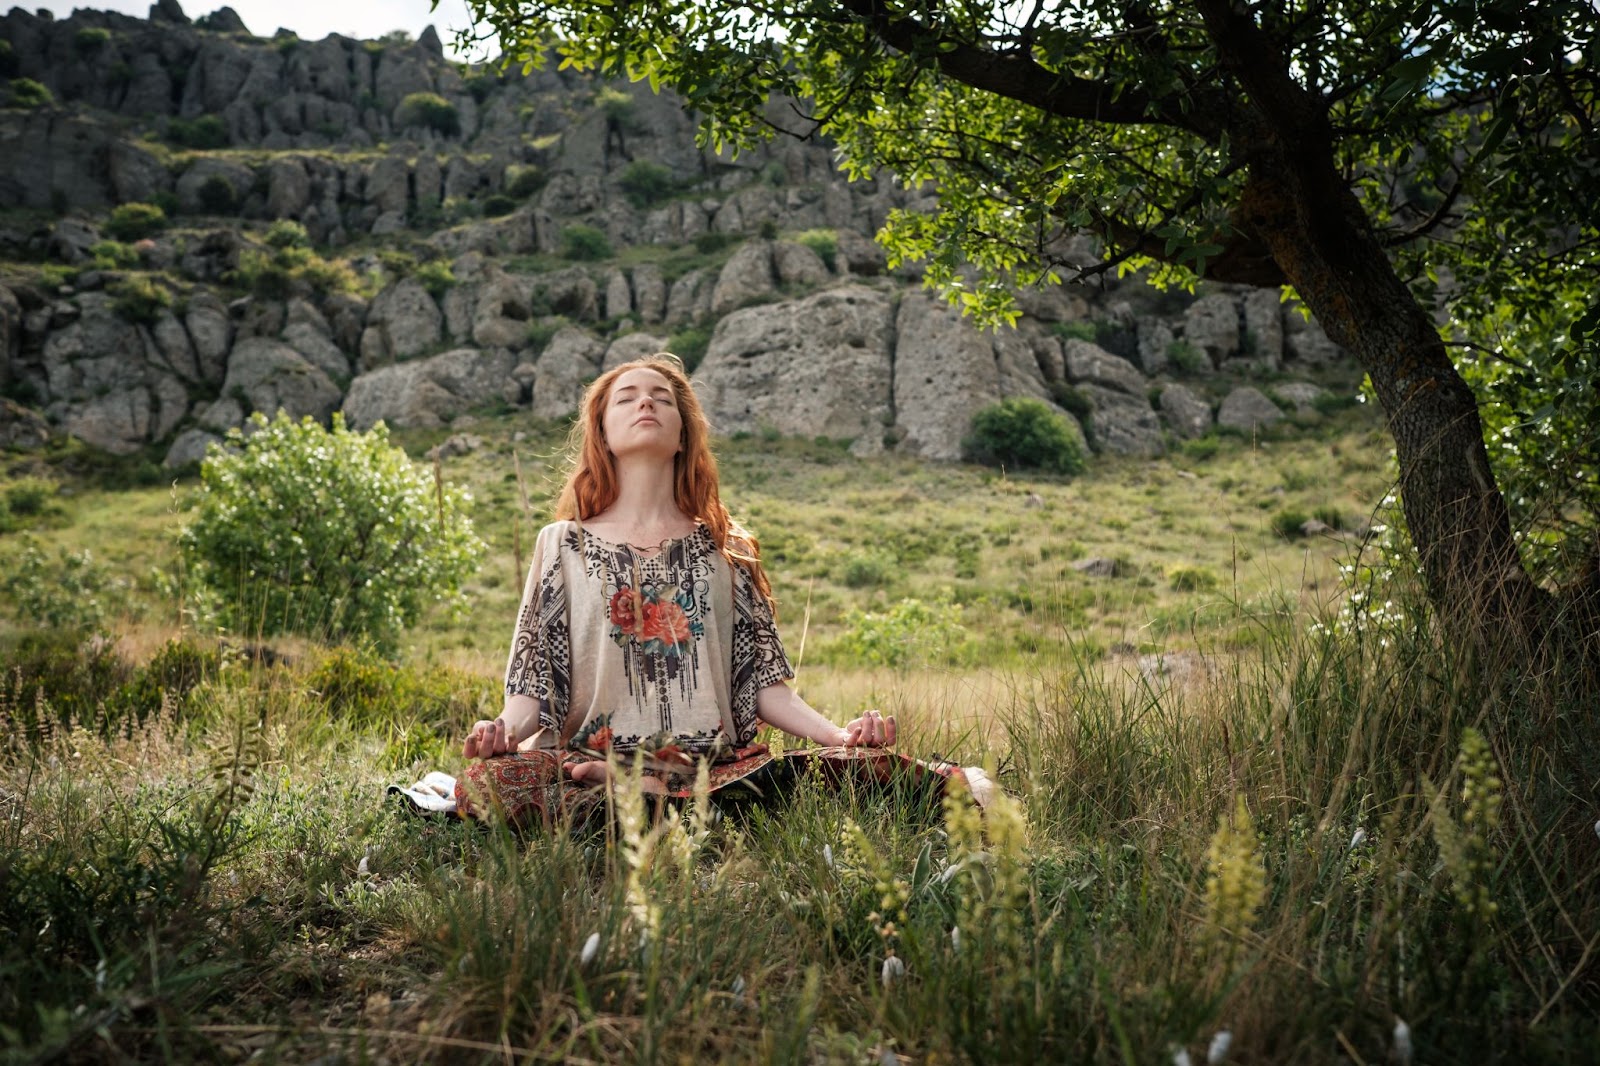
pixel 646 504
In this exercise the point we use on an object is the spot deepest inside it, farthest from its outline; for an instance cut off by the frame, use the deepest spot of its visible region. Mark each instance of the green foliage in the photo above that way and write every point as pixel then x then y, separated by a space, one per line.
pixel 217 196
pixel 1331 517
pixel 646 183
pixel 1192 578
pixel 825 242
pixel 690 344
pixel 909 633
pixel 868 569
pixel 29 497
pixel 1078 329
pixel 1287 523
pixel 1187 359
pixel 135 221
pixel 90 39
pixel 327 532
pixel 65 590
pixel 283 272
pixel 27 93
pixel 139 298
pixel 498 204
pixel 523 181
pixel 712 241
pixel 436 276
pixel 204 133
pixel 615 104
pixel 431 111
pixel 113 255
pixel 584 243
pixel 287 233
pixel 1022 432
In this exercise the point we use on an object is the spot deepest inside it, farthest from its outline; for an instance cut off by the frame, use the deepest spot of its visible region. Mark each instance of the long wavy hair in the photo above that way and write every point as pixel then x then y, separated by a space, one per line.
pixel 591 486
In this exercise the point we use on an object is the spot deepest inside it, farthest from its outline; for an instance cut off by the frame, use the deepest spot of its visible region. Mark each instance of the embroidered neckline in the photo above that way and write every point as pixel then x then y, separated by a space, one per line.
pixel 655 552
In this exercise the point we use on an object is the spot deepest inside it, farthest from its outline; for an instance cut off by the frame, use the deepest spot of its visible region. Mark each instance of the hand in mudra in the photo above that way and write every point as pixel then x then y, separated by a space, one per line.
pixel 488 738
pixel 871 730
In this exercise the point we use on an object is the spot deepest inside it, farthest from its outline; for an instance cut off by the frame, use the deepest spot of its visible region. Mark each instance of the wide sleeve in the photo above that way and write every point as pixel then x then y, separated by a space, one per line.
pixel 758 656
pixel 539 670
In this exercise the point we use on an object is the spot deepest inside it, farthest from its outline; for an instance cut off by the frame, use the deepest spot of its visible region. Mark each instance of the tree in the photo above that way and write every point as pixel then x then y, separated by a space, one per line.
pixel 327 532
pixel 1339 148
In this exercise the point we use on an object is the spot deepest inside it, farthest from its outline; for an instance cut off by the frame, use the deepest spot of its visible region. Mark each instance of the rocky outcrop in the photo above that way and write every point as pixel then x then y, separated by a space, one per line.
pixel 402 322
pixel 270 376
pixel 1248 410
pixel 428 393
pixel 819 366
pixel 568 363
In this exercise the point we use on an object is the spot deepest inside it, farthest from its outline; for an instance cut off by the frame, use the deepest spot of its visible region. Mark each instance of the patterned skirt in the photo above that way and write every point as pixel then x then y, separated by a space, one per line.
pixel 536 788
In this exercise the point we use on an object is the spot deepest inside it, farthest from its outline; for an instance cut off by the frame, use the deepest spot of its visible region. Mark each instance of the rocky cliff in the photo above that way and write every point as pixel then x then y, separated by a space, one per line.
pixel 197 223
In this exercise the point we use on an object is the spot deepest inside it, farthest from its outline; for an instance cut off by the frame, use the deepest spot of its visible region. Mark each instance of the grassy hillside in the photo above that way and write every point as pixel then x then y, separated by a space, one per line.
pixel 1349 844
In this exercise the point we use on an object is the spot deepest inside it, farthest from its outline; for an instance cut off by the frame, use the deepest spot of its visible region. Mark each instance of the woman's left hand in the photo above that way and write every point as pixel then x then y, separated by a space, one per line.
pixel 871 730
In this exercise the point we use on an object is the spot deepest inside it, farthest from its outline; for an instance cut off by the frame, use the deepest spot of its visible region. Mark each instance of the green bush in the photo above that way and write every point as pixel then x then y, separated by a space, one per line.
pixel 204 133
pixel 908 633
pixel 436 276
pixel 1187 359
pixel 431 111
pixel 1024 432
pixel 584 243
pixel 91 39
pixel 1287 522
pixel 690 345
pixel 29 496
pixel 867 569
pixel 523 181
pixel 615 104
pixel 825 242
pixel 287 233
pixel 277 275
pixel 68 592
pixel 710 242
pixel 646 184
pixel 139 298
pixel 1191 578
pixel 113 255
pixel 1331 517
pixel 135 221
pixel 218 196
pixel 331 533
pixel 498 204
pixel 1078 329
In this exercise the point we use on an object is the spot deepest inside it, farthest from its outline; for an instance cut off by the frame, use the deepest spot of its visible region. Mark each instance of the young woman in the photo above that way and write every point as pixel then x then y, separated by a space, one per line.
pixel 646 623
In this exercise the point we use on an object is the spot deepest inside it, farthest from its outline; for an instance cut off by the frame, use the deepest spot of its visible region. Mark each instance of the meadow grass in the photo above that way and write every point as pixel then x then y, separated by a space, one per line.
pixel 1328 830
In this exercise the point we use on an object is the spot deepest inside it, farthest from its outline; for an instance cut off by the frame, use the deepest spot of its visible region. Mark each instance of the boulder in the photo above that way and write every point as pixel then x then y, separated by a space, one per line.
pixel 501 313
pixel 568 363
pixel 117 422
pixel 797 265
pixel 22 427
pixel 1155 340
pixel 387 185
pixel 288 188
pixel 745 277
pixel 944 373
pixel 270 376
pixel 72 238
pixel 1188 416
pixel 10 331
pixel 1305 342
pixel 189 448
pixel 1089 364
pixel 137 176
pixel 1211 325
pixel 1248 409
pixel 1263 327
pixel 1123 424
pixel 649 293
pixel 202 174
pixel 211 333
pixel 429 392
pixel 402 322
pixel 171 341
pixel 97 353
pixel 318 350
pixel 618 294
pixel 820 366
pixel 627 348
pixel 683 299
pixel 1302 394
pixel 860 255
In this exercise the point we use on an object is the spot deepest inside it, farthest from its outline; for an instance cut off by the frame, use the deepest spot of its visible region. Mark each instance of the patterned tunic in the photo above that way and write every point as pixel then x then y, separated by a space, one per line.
pixel 623 649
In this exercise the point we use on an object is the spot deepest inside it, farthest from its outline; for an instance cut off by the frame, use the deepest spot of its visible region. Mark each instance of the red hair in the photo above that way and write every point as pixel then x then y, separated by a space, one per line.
pixel 591 485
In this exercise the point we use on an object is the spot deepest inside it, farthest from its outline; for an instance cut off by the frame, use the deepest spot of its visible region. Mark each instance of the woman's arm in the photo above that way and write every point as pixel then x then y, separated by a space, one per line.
pixel 519 719
pixel 780 706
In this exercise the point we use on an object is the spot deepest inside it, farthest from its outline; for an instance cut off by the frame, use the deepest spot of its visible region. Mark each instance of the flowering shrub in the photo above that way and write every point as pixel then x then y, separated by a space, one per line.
pixel 328 532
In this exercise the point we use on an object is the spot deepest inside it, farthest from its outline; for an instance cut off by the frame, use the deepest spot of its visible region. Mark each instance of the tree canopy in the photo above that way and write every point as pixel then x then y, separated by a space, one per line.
pixel 1422 174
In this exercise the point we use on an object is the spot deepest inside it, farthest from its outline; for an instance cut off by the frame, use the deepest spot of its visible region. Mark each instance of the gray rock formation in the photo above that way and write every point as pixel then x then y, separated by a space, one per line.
pixel 1211 325
pixel 271 376
pixel 1089 364
pixel 819 366
pixel 1187 414
pixel 631 346
pixel 402 322
pixel 1123 424
pixel 428 393
pixel 568 363
pixel 1248 409
pixel 745 277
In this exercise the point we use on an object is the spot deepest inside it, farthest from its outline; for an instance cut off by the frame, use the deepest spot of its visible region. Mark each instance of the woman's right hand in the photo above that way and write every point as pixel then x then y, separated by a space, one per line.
pixel 488 738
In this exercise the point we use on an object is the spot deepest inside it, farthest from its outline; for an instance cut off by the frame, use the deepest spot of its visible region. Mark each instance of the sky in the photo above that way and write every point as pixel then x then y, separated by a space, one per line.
pixel 311 20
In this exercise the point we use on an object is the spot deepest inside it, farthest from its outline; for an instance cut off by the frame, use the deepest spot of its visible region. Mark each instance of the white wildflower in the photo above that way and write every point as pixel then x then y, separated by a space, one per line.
pixel 893 970
pixel 362 869
pixel 1180 1056
pixel 1402 1042
pixel 1597 829
pixel 955 938
pixel 1358 838
pixel 738 990
pixel 591 948
pixel 1218 1051
pixel 827 855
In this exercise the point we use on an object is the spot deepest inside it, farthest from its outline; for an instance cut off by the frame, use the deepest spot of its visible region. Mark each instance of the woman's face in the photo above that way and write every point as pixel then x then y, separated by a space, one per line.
pixel 641 415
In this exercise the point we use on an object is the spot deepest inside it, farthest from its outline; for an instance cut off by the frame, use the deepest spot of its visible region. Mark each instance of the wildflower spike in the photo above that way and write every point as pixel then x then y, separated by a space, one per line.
pixel 591 948
pixel 1402 1042
pixel 1217 1053
pixel 1358 838
pixel 893 969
